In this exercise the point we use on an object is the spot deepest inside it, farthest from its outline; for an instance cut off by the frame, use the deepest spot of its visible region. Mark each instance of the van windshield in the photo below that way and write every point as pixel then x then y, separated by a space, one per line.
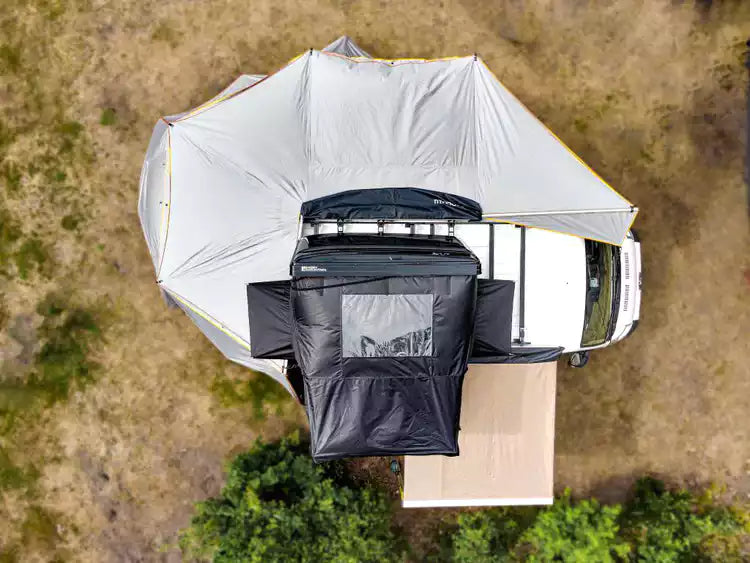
pixel 600 283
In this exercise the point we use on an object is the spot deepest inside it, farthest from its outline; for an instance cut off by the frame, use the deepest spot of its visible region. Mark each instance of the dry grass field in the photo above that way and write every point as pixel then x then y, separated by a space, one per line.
pixel 116 414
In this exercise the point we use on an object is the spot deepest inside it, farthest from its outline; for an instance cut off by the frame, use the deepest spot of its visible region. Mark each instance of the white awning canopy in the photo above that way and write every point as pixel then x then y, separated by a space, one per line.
pixel 222 185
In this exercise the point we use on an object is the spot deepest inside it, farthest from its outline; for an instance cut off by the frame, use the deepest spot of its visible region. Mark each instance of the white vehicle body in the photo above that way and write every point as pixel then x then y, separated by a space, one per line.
pixel 551 275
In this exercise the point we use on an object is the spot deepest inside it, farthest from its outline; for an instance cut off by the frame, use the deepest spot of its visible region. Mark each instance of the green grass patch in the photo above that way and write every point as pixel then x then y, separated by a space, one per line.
pixel 16 398
pixel 32 254
pixel 39 523
pixel 69 132
pixel 10 59
pixel 9 229
pixel 581 125
pixel 12 476
pixel 165 32
pixel 63 360
pixel 70 222
pixel 7 136
pixel 60 365
pixel 52 9
pixel 70 129
pixel 26 254
pixel 39 534
pixel 11 175
pixel 55 176
pixel 9 554
pixel 108 117
pixel 52 169
pixel 258 393
pixel 3 313
pixel 10 233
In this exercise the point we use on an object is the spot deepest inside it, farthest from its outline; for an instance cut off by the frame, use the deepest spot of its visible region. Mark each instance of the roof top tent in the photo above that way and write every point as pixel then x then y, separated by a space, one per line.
pixel 293 213
pixel 382 326
pixel 383 343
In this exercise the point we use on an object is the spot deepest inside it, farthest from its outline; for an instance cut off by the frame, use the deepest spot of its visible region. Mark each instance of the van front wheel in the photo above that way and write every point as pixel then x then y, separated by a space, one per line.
pixel 578 359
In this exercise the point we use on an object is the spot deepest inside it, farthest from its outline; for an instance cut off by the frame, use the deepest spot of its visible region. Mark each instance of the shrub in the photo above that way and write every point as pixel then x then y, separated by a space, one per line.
pixel 488 536
pixel 277 505
pixel 663 525
pixel 584 531
pixel 657 525
pixel 566 531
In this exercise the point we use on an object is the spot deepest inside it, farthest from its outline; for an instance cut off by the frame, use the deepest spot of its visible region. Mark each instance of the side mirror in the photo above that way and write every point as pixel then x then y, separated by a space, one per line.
pixel 578 359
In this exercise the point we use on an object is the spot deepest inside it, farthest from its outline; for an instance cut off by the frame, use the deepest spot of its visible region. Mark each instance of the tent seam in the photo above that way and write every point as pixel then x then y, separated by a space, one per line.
pixel 476 125
pixel 309 121
pixel 390 62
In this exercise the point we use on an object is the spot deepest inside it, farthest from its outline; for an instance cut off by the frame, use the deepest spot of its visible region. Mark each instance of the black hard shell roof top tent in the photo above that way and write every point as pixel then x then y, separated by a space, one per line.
pixel 381 327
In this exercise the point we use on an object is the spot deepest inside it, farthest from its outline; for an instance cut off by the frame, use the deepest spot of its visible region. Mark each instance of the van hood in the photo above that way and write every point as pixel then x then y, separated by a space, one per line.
pixel 555 289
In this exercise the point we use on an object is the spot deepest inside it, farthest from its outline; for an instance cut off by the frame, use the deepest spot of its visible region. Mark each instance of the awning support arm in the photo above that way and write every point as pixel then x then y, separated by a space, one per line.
pixel 491 265
pixel 522 290
pixel 631 209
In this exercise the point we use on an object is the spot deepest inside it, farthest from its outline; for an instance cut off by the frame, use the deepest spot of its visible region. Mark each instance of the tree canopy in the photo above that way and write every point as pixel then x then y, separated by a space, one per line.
pixel 277 505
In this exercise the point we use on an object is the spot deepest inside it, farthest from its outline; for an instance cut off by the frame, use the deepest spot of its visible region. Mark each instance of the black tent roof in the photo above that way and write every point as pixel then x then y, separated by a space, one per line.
pixel 381 330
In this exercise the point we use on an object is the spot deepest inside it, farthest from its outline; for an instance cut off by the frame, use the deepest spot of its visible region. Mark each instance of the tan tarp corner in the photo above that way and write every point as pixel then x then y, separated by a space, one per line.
pixel 506 443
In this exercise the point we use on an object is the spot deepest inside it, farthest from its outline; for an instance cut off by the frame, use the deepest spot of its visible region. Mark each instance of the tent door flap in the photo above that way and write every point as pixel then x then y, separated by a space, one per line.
pixel 270 320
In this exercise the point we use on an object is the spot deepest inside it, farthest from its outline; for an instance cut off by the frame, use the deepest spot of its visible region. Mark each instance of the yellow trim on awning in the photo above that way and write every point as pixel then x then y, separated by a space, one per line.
pixel 167 207
pixel 208 319
pixel 578 158
pixel 212 103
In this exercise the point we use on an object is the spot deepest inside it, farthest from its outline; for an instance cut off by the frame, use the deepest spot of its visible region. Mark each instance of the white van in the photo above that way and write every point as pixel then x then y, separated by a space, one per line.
pixel 572 295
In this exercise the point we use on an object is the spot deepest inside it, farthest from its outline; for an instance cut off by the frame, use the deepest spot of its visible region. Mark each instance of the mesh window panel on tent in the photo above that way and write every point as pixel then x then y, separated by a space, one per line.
pixel 386 326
